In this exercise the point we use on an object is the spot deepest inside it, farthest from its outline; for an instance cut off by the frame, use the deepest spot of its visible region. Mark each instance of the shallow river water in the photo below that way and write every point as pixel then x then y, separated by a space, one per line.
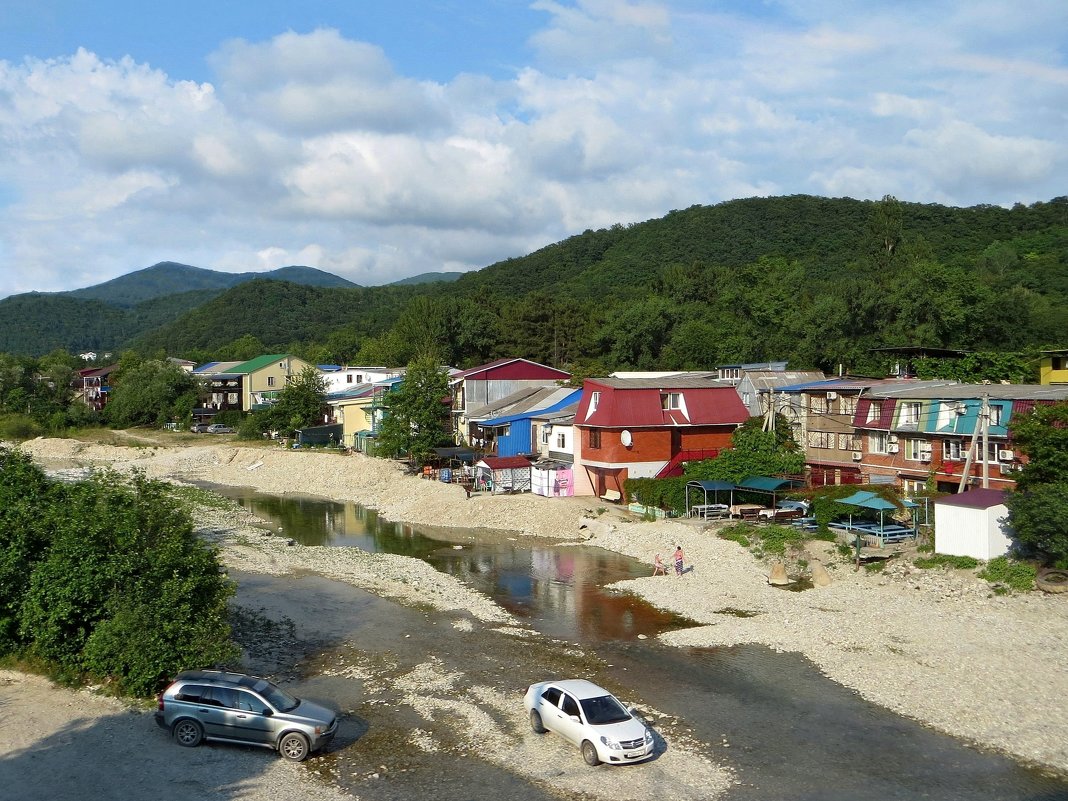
pixel 786 730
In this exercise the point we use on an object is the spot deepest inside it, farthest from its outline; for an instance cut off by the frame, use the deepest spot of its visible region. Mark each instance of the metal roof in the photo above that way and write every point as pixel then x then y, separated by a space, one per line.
pixel 978 498
pixel 955 391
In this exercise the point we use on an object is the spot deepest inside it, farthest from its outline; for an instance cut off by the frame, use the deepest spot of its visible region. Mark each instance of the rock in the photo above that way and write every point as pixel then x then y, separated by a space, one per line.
pixel 820 576
pixel 778 575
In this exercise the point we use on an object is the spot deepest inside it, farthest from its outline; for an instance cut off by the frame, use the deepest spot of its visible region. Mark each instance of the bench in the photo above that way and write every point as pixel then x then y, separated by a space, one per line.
pixel 612 496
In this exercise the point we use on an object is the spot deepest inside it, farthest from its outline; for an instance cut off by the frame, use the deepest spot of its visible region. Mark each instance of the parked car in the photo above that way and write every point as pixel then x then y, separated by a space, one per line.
pixel 589 717
pixel 199 428
pixel 219 428
pixel 233 707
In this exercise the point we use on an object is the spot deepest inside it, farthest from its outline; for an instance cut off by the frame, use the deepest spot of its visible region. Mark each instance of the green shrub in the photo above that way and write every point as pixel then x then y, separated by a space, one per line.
pixel 18 427
pixel 107 578
pixel 944 560
pixel 663 493
pixel 876 567
pixel 775 539
pixel 1019 576
pixel 737 533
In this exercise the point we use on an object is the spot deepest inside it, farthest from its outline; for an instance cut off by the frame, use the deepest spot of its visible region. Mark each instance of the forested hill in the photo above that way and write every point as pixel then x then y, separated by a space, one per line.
pixel 816 281
pixel 169 278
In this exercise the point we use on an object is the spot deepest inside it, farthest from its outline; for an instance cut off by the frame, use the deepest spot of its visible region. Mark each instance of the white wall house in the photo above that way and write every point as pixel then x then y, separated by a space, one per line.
pixel 973 523
pixel 341 378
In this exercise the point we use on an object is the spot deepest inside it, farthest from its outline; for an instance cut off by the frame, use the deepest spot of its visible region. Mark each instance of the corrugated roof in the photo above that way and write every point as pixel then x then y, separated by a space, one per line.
pixel 499 363
pixel 546 401
pixel 955 391
pixel 252 365
pixel 631 404
pixel 505 462
pixel 681 381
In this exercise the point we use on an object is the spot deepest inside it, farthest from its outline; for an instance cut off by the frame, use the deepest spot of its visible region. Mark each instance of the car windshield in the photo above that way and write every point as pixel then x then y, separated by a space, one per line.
pixel 277 697
pixel 604 710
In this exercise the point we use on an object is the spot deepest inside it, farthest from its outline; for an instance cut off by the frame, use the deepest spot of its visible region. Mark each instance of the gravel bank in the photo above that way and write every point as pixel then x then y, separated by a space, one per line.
pixel 936 646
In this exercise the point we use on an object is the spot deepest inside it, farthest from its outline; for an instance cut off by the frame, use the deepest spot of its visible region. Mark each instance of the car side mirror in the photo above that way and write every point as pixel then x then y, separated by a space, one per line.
pixel 267 712
pixel 575 718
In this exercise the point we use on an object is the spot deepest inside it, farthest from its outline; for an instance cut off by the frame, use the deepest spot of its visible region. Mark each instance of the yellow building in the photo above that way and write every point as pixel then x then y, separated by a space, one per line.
pixel 1053 368
pixel 264 377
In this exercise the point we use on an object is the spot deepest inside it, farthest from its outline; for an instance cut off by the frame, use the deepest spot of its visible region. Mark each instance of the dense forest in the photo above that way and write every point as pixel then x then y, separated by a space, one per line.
pixel 818 282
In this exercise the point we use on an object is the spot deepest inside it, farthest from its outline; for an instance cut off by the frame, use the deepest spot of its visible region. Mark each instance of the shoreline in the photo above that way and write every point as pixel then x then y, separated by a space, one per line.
pixel 936 646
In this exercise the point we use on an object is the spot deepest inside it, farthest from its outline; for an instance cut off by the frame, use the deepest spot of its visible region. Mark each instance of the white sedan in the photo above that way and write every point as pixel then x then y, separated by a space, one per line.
pixel 591 718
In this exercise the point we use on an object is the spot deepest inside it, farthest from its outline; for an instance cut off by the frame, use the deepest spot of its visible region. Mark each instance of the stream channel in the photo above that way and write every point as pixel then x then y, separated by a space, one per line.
pixel 784 729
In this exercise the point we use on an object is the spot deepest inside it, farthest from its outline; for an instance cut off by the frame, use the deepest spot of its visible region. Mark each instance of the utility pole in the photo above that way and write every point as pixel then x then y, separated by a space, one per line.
pixel 971 455
pixel 984 421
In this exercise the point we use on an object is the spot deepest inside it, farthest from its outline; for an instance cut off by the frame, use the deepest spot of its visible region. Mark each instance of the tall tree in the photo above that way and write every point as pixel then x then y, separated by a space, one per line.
pixel 417 412
pixel 299 404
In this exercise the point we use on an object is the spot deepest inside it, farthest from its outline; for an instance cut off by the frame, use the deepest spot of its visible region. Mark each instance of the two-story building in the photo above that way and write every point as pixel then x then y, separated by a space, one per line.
pixel 478 387
pixel 648 427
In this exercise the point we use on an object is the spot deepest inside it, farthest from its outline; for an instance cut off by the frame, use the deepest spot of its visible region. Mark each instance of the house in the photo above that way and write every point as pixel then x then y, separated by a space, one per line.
pixel 339 378
pixel 821 416
pixel 513 433
pixel 360 411
pixel 247 385
pixel 182 364
pixel 732 373
pixel 973 523
pixel 648 427
pixel 1053 367
pixel 477 387
pixel 95 385
pixel 916 433
pixel 757 388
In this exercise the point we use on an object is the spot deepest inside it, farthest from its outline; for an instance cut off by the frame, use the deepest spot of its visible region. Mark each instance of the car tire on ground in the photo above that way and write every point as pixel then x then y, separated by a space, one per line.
pixel 589 753
pixel 1052 581
pixel 188 733
pixel 294 747
pixel 535 722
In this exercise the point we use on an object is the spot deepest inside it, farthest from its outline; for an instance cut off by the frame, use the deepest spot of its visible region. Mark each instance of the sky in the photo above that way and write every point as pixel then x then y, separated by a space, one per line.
pixel 382 140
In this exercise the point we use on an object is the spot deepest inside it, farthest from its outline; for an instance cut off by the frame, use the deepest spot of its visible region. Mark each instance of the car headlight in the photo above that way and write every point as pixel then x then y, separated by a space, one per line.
pixel 648 737
pixel 613 744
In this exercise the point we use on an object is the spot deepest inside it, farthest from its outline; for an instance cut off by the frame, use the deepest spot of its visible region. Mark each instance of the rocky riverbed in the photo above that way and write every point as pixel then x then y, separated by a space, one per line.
pixel 937 646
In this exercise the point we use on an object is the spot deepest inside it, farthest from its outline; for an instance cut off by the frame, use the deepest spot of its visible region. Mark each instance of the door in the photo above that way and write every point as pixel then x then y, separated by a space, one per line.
pixel 569 719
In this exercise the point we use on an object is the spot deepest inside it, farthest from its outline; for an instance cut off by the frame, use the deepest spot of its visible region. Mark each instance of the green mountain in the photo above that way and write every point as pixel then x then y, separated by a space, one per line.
pixel 428 278
pixel 816 281
pixel 110 315
pixel 170 278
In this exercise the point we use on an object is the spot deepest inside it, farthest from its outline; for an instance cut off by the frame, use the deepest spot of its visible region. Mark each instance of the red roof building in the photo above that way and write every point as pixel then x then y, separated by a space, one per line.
pixel 647 427
pixel 478 387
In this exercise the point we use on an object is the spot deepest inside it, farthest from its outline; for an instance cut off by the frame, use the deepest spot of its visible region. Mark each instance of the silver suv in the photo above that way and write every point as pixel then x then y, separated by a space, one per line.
pixel 232 707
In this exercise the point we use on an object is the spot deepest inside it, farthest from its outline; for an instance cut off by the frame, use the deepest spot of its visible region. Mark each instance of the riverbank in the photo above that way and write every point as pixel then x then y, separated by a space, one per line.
pixel 936 646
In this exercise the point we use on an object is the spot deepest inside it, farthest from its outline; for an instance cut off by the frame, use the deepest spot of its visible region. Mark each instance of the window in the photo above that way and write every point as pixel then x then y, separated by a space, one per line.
pixel 913 487
pixel 746 397
pixel 849 404
pixel 877 442
pixel 595 439
pixel 359 378
pixel 918 450
pixel 569 706
pixel 1058 362
pixel 595 400
pixel 348 378
pixel 820 439
pixel 670 400
pixel 849 442
pixel 545 435
pixel 995 415
pixel 910 414
pixel 270 380
pixel 817 404
pixel 561 441
pixel 952 450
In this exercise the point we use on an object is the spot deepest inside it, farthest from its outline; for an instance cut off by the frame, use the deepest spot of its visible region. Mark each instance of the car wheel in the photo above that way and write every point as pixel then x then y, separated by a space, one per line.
pixel 535 722
pixel 188 733
pixel 589 753
pixel 294 747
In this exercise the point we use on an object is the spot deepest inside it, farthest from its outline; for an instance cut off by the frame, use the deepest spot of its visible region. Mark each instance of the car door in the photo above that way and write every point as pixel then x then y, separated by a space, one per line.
pixel 204 708
pixel 569 719
pixel 239 720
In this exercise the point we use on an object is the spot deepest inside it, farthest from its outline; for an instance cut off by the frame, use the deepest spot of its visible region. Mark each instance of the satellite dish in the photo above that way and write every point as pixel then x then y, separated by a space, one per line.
pixel 626 439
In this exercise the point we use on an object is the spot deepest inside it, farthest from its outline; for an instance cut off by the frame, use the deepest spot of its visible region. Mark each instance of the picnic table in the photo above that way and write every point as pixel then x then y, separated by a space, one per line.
pixel 746 511
pixel 709 511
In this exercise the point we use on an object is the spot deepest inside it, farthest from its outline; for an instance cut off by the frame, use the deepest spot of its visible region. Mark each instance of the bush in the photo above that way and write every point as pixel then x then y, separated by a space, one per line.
pixel 737 533
pixel 663 493
pixel 1019 576
pixel 945 560
pixel 18 427
pixel 114 582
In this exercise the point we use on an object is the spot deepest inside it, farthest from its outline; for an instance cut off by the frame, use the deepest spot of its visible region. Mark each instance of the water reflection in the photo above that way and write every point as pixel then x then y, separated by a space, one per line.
pixel 558 590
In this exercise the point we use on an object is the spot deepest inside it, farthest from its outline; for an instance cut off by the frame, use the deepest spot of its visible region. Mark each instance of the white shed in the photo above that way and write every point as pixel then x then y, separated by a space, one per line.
pixel 974 523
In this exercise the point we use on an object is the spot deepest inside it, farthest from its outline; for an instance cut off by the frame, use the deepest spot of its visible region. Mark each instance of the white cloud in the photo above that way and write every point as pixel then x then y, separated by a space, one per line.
pixel 311 148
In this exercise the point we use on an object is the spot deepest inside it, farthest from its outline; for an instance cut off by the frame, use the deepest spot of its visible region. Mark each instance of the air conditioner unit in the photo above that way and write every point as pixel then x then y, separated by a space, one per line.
pixel 962 408
pixel 832 396
pixel 925 457
pixel 1006 456
pixel 892 448
pixel 892 438
pixel 857 456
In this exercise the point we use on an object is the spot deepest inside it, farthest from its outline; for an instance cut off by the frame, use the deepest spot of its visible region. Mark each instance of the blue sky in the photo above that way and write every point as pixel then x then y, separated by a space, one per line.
pixel 378 141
